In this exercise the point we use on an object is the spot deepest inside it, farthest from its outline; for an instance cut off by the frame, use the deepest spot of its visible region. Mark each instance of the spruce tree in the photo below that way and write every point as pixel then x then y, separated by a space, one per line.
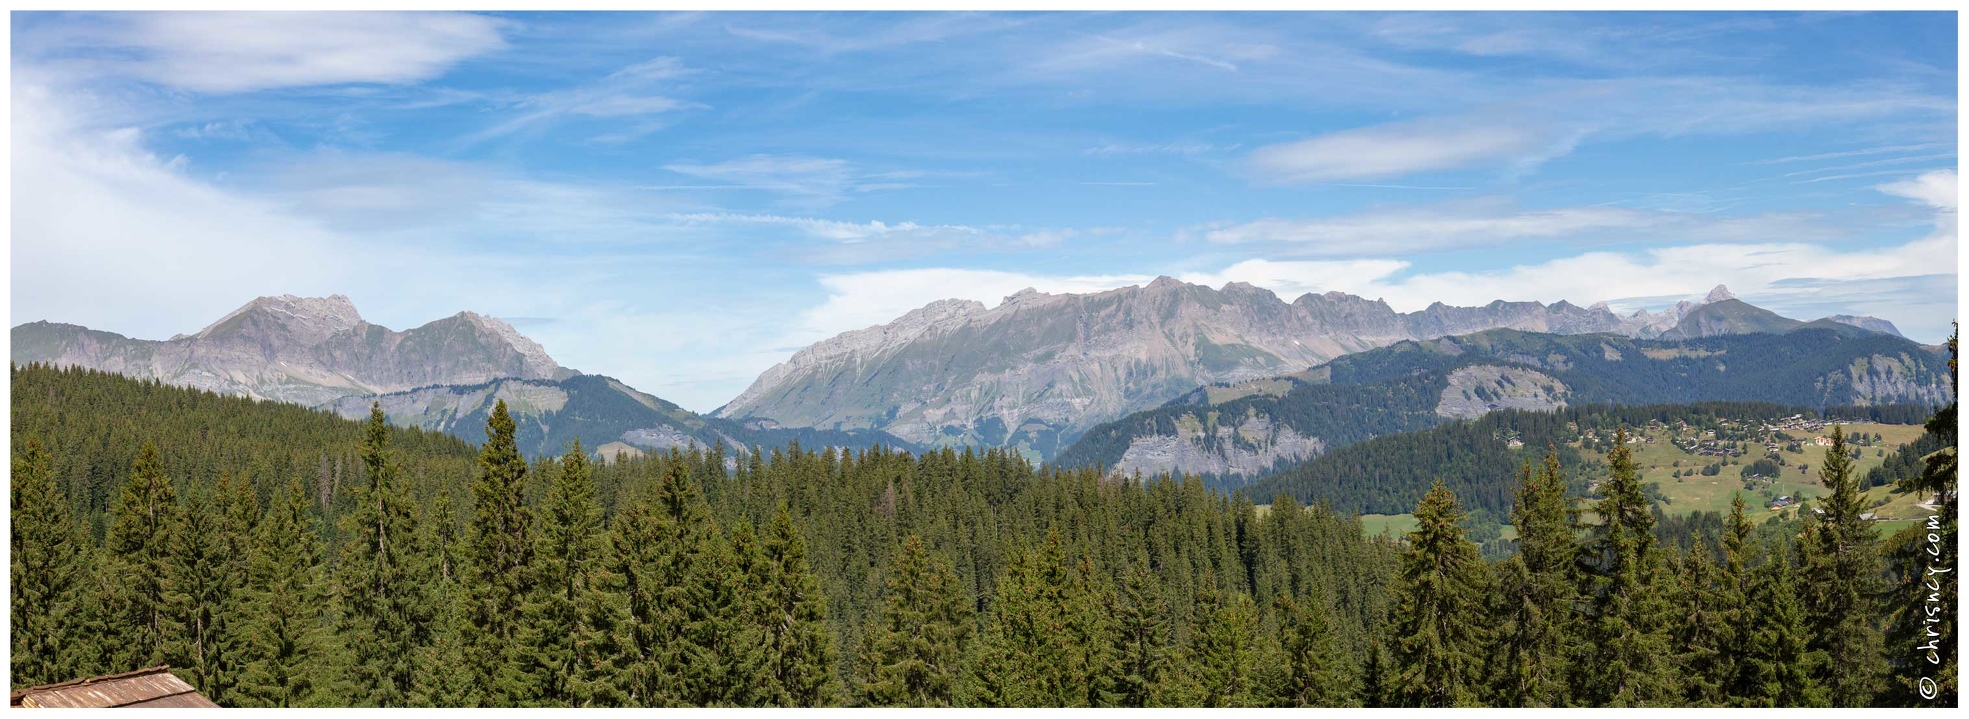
pixel 386 613
pixel 209 572
pixel 1140 645
pixel 798 645
pixel 1037 650
pixel 1536 594
pixel 686 635
pixel 635 548
pixel 287 649
pixel 1626 648
pixel 46 573
pixel 1222 653
pixel 142 600
pixel 1704 630
pixel 1843 570
pixel 499 570
pixel 1779 669
pixel 1317 671
pixel 910 656
pixel 441 680
pixel 555 643
pixel 1438 613
pixel 1733 593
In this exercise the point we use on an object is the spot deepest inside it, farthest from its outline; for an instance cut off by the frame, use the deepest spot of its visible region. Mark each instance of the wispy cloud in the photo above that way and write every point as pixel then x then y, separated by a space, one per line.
pixel 631 92
pixel 1846 153
pixel 233 52
pixel 1492 222
pixel 1111 149
pixel 812 181
pixel 845 232
pixel 1416 229
pixel 1393 150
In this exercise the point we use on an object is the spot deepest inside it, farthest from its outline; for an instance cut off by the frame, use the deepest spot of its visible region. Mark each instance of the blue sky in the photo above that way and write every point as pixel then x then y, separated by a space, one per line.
pixel 682 200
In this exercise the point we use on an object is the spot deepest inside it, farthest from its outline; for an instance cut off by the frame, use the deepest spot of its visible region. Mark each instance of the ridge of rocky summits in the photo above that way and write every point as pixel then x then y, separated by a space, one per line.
pixel 307 350
pixel 1039 368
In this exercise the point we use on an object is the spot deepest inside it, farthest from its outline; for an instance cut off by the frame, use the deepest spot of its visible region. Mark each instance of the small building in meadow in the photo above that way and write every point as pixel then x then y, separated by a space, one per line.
pixel 153 688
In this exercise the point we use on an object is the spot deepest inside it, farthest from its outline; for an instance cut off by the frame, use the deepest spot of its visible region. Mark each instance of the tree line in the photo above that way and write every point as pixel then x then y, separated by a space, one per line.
pixel 794 577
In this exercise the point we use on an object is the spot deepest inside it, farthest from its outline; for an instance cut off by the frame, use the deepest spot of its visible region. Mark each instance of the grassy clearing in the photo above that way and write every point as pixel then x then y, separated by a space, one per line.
pixel 1799 477
pixel 1395 524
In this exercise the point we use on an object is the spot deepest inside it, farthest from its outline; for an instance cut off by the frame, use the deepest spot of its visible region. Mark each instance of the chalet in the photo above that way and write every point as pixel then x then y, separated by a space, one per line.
pixel 155 687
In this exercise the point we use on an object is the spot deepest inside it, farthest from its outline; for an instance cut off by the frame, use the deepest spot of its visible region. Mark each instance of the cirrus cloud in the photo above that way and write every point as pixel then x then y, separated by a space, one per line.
pixel 234 52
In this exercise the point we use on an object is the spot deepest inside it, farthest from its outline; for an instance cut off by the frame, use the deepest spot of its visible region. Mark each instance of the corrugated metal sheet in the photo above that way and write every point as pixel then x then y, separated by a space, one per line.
pixel 153 687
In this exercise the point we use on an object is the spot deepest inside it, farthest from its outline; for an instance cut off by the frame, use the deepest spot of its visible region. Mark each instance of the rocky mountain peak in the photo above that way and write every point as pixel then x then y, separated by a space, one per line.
pixel 307 319
pixel 1718 295
pixel 307 350
pixel 1029 293
pixel 536 356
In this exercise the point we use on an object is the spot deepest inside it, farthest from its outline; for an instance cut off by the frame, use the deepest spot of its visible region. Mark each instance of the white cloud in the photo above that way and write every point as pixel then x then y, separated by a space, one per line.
pixel 420 200
pixel 844 232
pixel 109 235
pixel 1392 150
pixel 229 52
pixel 630 92
pixel 802 180
pixel 1937 189
pixel 1845 153
pixel 819 178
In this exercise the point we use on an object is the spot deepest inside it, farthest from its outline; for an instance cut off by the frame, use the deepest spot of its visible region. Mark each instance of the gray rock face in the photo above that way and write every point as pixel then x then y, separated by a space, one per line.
pixel 1245 447
pixel 1870 324
pixel 1477 390
pixel 300 349
pixel 1042 368
pixel 1881 379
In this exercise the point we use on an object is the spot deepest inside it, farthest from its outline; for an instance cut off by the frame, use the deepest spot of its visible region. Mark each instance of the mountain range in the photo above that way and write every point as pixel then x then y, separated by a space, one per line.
pixel 445 375
pixel 1039 370
pixel 303 350
pixel 1034 373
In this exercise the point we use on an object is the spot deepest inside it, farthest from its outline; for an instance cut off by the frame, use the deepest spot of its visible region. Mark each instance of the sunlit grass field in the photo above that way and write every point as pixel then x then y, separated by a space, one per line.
pixel 1659 462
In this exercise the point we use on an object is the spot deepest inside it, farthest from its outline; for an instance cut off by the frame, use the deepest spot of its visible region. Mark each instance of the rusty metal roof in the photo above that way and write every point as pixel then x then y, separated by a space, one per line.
pixel 153 687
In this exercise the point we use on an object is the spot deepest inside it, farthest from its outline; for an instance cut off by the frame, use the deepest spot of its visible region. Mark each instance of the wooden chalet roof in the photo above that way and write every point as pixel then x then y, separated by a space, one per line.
pixel 153 687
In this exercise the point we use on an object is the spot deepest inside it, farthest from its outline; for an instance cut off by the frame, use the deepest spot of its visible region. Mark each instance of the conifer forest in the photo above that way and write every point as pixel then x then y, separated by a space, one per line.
pixel 277 556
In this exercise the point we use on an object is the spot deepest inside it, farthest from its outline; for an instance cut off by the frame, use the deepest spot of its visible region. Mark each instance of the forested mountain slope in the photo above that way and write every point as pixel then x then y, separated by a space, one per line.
pixel 1477 460
pixel 91 424
pixel 1237 432
pixel 605 414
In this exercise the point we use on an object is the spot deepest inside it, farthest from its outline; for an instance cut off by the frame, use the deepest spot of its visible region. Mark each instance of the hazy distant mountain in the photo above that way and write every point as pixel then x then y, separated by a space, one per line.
pixel 606 415
pixel 1871 324
pixel 300 349
pixel 1238 432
